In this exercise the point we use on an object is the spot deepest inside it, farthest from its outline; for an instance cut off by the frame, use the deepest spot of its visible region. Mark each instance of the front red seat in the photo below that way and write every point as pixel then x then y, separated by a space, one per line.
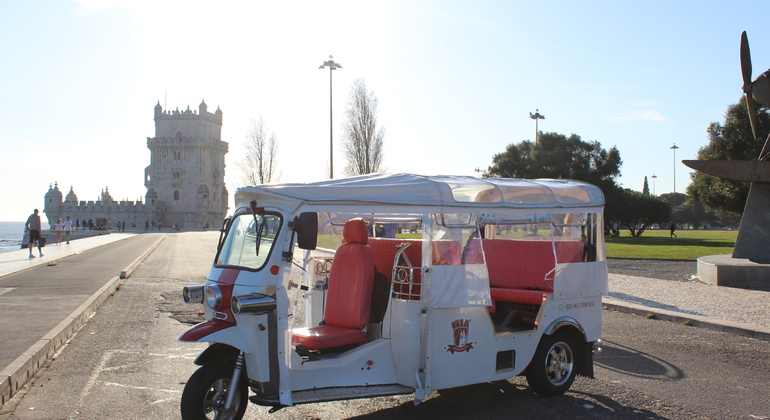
pixel 348 296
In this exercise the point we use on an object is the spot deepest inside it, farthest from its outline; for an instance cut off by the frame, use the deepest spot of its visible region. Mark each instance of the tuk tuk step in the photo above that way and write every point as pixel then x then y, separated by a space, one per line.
pixel 337 393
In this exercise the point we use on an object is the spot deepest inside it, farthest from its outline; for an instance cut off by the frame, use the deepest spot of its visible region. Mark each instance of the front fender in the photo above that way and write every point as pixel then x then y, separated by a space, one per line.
pixel 215 331
pixel 215 353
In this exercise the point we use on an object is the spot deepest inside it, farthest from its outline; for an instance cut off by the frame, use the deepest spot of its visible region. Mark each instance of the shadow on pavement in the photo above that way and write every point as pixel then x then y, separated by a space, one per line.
pixel 506 400
pixel 636 363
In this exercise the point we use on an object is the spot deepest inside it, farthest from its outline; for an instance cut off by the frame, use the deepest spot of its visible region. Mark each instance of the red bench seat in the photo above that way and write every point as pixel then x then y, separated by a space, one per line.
pixel 520 271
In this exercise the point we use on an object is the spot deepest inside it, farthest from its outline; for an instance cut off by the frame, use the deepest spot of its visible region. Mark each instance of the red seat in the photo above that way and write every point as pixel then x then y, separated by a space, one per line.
pixel 348 296
pixel 520 271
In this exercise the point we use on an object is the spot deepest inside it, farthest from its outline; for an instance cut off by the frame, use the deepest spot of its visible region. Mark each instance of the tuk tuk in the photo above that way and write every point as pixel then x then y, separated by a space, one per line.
pixel 321 292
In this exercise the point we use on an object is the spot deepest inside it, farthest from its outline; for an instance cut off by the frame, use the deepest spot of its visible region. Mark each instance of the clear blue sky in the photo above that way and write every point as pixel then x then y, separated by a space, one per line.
pixel 456 81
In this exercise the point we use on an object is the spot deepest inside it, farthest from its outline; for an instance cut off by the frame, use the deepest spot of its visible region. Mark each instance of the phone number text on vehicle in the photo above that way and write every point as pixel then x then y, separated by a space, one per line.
pixel 578 305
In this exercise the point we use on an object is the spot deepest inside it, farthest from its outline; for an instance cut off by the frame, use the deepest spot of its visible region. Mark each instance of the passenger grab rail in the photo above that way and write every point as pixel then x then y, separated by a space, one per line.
pixel 403 285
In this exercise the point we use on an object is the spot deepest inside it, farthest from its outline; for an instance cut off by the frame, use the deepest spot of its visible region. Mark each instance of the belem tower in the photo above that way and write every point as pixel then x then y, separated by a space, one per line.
pixel 185 180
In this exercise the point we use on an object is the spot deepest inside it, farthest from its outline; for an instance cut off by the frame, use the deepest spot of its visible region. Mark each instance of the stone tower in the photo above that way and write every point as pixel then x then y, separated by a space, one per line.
pixel 186 177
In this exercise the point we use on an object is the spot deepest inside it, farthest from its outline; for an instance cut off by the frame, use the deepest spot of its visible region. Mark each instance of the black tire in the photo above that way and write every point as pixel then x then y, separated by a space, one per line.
pixel 552 369
pixel 206 391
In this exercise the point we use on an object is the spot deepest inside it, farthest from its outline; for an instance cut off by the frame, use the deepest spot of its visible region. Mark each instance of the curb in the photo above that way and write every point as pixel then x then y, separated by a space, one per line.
pixel 732 327
pixel 14 376
pixel 126 272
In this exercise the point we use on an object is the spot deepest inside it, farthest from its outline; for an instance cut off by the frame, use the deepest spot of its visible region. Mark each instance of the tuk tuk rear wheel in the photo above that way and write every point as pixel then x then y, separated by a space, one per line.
pixel 552 369
pixel 206 392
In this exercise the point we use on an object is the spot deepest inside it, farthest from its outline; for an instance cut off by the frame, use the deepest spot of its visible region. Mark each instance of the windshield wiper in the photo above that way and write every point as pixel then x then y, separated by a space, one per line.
pixel 259 226
pixel 259 236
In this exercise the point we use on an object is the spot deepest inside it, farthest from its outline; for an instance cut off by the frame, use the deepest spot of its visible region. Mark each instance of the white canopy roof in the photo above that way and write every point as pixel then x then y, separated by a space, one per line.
pixel 427 191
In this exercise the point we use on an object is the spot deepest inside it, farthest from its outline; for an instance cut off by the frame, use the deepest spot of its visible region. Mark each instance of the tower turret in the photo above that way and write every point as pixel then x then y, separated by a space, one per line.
pixel 53 198
pixel 71 198
pixel 106 197
pixel 53 202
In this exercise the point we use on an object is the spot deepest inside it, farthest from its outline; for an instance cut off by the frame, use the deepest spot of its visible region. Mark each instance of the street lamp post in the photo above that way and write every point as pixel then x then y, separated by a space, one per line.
pixel 536 116
pixel 653 184
pixel 332 66
pixel 674 149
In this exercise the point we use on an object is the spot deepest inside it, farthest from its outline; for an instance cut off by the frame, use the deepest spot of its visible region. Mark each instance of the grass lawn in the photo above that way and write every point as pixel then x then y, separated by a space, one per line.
pixel 657 244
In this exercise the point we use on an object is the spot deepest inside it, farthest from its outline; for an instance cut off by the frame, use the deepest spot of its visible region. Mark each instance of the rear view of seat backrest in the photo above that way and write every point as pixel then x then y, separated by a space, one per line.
pixel 521 264
pixel 385 253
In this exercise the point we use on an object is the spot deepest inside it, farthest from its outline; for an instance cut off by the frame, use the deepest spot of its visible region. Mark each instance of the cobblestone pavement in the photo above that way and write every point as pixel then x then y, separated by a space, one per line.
pixel 672 286
pixel 693 298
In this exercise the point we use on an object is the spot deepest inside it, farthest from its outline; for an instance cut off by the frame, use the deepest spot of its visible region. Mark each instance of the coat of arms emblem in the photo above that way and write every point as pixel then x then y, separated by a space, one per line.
pixel 460 329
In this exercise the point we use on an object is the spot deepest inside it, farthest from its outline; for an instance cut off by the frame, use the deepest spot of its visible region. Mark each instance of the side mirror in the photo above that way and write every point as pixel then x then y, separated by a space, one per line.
pixel 307 230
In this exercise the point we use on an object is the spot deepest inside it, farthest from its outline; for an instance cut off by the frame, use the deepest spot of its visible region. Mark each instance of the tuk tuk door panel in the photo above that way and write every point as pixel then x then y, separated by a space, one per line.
pixel 463 347
pixel 402 327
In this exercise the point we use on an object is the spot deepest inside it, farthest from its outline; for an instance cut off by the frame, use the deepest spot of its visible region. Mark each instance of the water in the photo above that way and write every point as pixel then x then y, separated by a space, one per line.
pixel 10 235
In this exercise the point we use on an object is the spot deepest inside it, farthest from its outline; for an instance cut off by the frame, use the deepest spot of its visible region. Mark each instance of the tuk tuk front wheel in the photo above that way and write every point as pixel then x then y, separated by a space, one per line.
pixel 552 369
pixel 206 392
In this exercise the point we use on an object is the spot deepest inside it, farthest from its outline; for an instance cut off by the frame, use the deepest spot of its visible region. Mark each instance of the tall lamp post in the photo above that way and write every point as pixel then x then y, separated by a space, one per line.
pixel 332 66
pixel 653 184
pixel 674 149
pixel 536 116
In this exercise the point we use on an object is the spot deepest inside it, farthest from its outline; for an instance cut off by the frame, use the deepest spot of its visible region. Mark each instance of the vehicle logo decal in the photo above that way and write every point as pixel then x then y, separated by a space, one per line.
pixel 460 330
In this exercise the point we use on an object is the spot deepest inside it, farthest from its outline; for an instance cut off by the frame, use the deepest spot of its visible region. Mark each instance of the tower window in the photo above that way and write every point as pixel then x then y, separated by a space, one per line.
pixel 176 195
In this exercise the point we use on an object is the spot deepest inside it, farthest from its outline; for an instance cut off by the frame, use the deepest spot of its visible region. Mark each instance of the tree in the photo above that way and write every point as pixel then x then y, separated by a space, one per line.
pixel 731 141
pixel 557 156
pixel 259 164
pixel 678 198
pixel 638 211
pixel 646 187
pixel 362 140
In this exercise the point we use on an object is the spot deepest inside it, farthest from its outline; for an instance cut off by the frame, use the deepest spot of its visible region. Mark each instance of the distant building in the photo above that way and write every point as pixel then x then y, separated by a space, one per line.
pixel 185 180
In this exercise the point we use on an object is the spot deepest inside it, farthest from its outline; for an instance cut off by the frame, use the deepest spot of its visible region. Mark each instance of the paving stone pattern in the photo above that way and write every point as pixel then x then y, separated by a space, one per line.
pixel 675 293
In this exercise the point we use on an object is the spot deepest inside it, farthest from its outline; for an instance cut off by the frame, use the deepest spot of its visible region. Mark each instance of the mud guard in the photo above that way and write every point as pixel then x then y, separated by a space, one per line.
pixel 216 353
pixel 586 366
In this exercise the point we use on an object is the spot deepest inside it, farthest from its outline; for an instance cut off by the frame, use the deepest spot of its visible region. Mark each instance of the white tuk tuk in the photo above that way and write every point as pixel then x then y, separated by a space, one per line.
pixel 397 284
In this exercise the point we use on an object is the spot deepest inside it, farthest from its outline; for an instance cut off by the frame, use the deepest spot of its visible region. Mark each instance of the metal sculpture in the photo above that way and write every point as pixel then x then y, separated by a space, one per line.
pixel 753 242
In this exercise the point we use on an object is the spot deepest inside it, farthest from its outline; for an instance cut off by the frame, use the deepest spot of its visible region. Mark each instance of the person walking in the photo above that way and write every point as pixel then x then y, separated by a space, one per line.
pixel 673 228
pixel 67 229
pixel 34 227
pixel 58 227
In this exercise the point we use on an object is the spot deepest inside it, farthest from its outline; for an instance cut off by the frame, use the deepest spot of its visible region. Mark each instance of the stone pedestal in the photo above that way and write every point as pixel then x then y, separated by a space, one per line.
pixel 723 270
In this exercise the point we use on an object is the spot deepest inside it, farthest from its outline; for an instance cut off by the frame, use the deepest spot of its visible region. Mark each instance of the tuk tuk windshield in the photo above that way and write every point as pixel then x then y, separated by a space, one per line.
pixel 250 241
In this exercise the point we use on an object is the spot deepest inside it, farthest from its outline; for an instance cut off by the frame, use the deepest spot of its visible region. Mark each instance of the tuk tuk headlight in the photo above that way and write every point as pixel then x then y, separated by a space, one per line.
pixel 213 297
pixel 192 294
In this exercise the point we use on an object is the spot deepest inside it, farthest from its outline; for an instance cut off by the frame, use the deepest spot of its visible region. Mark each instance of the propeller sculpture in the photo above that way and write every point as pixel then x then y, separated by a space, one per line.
pixel 756 91
pixel 753 242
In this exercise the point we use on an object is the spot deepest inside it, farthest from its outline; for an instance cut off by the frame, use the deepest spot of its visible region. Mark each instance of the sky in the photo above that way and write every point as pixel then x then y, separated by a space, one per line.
pixel 456 82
